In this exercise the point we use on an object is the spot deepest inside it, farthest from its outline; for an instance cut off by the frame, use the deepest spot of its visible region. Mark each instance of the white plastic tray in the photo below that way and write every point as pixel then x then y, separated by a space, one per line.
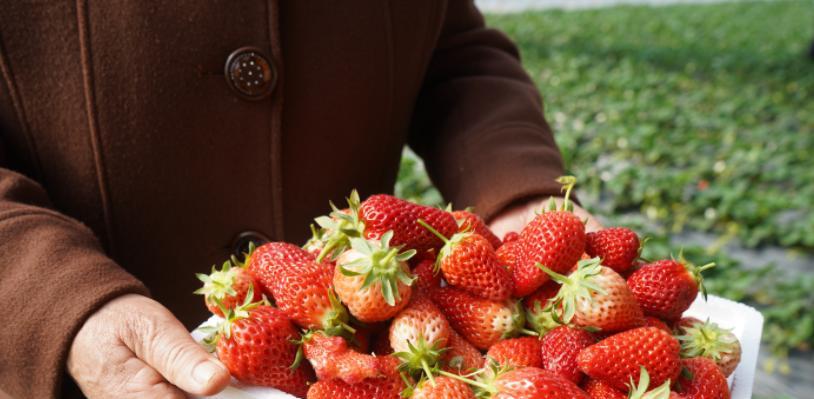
pixel 745 322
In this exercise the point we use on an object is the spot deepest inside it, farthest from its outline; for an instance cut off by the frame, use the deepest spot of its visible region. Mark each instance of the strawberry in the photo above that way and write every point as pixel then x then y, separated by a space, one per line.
pixel 618 247
pixel 707 339
pixel 508 254
pixel 388 386
pixel 595 296
pixel 427 279
pixel 702 379
pixel 666 288
pixel 617 359
pixel 538 309
pixel 227 286
pixel 443 387
pixel 468 261
pixel 382 213
pixel 460 357
pixel 511 236
pixel 300 286
pixel 597 389
pixel 255 343
pixel 684 322
pixel 331 357
pixel 470 222
pixel 528 383
pixel 480 321
pixel 378 215
pixel 373 279
pixel 418 335
pixel 560 348
pixel 517 352
pixel 555 239
pixel 650 321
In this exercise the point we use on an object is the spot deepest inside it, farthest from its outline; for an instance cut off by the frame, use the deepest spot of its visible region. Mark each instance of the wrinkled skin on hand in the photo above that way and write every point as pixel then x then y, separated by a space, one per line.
pixel 133 347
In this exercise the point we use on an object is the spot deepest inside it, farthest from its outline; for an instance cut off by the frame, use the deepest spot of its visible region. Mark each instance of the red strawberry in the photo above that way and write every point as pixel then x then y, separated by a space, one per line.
pixel 666 288
pixel 468 261
pixel 382 213
pixel 555 239
pixel 427 279
pixel 460 357
pixel 517 352
pixel 508 254
pixel 388 386
pixel 442 388
pixel 300 286
pixel 684 322
pixel 702 380
pixel 618 247
pixel 228 286
pixel 470 222
pixel 618 359
pixel 511 236
pixel 481 321
pixel 373 279
pixel 331 357
pixel 538 309
pixel 707 339
pixel 596 296
pixel 530 383
pixel 560 348
pixel 418 335
pixel 379 214
pixel 256 345
pixel 650 321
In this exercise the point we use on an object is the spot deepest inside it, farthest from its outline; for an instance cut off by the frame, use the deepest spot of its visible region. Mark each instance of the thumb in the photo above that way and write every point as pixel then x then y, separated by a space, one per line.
pixel 163 343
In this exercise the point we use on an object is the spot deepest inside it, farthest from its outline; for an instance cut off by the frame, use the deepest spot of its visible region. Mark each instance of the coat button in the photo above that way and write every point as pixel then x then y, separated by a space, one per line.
pixel 240 244
pixel 250 74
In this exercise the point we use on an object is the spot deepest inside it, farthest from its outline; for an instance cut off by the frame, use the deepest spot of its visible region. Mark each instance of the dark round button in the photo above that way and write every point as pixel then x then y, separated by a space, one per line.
pixel 240 245
pixel 250 74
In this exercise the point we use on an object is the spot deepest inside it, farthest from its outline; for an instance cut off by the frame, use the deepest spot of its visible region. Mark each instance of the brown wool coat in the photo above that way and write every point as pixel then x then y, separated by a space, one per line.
pixel 127 163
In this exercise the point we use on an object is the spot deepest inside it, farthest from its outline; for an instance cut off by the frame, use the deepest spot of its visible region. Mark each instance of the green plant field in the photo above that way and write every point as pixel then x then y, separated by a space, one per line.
pixel 696 117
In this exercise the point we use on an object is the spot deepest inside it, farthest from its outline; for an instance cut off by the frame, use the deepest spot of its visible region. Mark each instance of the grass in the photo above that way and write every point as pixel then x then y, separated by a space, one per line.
pixel 694 117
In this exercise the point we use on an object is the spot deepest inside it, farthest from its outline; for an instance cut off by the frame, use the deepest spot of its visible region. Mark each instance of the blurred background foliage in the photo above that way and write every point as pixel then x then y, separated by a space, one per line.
pixel 695 126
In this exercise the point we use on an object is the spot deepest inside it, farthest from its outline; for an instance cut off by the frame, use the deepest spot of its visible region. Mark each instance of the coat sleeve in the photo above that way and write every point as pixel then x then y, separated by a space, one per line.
pixel 53 274
pixel 479 122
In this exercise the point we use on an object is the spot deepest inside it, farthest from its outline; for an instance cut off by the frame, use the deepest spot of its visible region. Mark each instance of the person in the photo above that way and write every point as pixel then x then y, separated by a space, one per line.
pixel 143 141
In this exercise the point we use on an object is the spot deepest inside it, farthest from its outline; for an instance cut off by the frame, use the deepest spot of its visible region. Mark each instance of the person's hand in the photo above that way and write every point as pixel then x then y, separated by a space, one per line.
pixel 516 217
pixel 133 347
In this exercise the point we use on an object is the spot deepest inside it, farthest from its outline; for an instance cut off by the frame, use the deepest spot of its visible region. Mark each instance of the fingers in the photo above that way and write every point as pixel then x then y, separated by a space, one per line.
pixel 163 343
pixel 145 382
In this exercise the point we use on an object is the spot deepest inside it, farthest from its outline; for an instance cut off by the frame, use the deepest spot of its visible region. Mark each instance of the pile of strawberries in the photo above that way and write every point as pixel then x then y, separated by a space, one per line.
pixel 393 299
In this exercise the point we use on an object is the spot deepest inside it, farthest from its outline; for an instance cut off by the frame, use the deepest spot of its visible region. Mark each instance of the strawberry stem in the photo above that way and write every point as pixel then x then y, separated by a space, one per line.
pixel 428 371
pixel 474 383
pixel 568 183
pixel 433 231
pixel 526 331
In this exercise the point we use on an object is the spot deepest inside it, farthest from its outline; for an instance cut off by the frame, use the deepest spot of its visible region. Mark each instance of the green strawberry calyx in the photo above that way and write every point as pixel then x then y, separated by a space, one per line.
pixel 335 320
pixel 421 357
pixel 223 329
pixel 639 391
pixel 707 339
pixel 338 228
pixel 219 283
pixel 380 263
pixel 518 322
pixel 695 271
pixel 575 288
pixel 541 317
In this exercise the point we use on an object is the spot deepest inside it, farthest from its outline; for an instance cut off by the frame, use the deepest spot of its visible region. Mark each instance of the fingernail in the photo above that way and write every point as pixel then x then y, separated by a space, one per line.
pixel 204 372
